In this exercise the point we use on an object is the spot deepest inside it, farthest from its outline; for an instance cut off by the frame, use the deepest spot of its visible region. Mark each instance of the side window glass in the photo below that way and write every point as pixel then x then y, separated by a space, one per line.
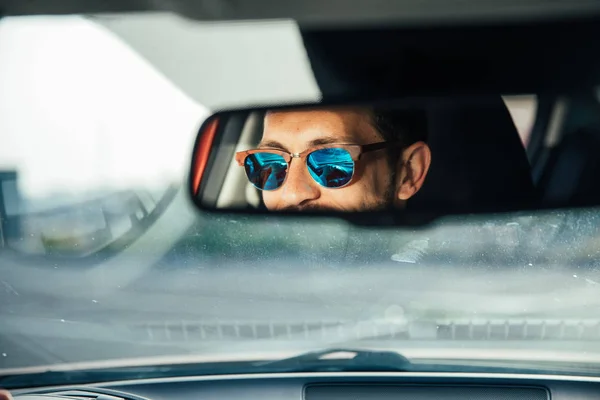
pixel 92 137
pixel 522 109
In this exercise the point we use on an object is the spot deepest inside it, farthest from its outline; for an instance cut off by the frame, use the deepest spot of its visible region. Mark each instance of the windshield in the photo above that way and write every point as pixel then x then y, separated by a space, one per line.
pixel 104 262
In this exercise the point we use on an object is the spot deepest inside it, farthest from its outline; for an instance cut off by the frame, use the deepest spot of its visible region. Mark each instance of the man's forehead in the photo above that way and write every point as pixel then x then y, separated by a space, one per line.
pixel 316 126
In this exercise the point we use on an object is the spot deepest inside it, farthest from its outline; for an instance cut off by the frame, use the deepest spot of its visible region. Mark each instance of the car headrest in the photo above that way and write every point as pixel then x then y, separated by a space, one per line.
pixel 571 168
pixel 478 160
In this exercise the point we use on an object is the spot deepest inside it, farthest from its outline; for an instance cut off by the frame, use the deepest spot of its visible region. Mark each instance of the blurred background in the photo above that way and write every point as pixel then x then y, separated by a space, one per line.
pixel 99 243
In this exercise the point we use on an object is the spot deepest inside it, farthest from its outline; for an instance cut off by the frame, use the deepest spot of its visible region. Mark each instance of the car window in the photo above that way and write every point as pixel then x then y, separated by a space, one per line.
pixel 103 257
pixel 92 134
pixel 522 110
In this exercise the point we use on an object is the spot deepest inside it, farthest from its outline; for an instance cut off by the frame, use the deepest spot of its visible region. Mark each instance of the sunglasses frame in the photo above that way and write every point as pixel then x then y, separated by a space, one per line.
pixel 355 151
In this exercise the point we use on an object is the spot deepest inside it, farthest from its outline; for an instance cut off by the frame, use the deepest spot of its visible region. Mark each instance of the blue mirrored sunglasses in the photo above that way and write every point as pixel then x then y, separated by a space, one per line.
pixel 331 166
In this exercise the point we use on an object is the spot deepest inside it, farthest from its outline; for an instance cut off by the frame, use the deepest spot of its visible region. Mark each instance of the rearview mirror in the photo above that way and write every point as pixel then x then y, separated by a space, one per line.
pixel 414 157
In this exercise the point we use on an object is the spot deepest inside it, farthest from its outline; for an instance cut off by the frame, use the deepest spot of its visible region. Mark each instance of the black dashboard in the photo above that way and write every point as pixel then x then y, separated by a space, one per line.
pixel 332 386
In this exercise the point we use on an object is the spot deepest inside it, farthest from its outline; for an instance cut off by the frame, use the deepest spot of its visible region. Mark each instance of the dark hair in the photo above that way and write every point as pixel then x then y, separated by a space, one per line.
pixel 400 126
pixel 403 126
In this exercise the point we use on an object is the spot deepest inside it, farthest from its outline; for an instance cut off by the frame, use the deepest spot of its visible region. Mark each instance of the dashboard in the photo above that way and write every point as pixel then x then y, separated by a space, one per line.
pixel 332 386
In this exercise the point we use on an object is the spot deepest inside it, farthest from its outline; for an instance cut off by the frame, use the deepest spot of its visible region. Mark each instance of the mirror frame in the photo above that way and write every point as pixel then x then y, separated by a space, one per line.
pixel 209 135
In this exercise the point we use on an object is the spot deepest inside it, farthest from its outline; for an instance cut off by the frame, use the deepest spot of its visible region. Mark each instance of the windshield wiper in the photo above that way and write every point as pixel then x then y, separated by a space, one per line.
pixel 329 360
pixel 340 359
pixel 325 360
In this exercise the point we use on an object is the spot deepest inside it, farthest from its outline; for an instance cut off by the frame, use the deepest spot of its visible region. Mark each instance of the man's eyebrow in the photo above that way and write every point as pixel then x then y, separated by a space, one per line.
pixel 273 144
pixel 325 140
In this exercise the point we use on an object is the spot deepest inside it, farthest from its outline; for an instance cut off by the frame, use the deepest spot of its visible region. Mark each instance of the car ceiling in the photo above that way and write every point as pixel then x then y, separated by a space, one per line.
pixel 221 64
pixel 319 13
pixel 258 63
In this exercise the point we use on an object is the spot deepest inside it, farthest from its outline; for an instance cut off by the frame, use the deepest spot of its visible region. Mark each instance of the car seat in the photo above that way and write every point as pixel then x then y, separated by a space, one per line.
pixel 569 170
pixel 478 160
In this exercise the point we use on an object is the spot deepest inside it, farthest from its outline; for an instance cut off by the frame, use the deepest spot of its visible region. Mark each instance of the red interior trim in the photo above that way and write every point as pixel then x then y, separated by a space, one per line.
pixel 207 137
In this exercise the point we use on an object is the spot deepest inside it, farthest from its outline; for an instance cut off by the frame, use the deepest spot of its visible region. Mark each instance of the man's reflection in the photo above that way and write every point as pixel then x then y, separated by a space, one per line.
pixel 345 159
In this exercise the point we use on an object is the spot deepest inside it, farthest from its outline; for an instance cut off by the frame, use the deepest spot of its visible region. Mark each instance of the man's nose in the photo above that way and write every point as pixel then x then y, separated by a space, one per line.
pixel 299 187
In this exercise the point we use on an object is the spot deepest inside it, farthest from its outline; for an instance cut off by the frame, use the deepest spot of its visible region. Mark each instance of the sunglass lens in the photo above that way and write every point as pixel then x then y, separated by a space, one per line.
pixel 266 170
pixel 332 167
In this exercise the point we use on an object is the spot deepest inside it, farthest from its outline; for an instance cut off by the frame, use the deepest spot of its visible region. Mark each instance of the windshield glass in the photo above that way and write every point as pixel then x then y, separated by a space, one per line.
pixel 104 262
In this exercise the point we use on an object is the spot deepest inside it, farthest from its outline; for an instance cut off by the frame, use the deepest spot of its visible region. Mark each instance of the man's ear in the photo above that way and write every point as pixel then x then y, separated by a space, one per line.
pixel 412 166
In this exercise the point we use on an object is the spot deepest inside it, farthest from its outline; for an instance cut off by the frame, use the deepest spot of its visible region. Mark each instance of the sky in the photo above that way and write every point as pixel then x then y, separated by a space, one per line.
pixel 80 111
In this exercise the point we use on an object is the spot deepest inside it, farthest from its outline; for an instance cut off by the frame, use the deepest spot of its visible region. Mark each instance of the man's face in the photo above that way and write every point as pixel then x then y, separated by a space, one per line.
pixel 376 183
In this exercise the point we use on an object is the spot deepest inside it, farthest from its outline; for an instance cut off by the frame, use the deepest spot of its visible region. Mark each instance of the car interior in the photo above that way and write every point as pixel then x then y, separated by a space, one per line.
pixel 477 132
pixel 327 386
pixel 556 166
pixel 480 165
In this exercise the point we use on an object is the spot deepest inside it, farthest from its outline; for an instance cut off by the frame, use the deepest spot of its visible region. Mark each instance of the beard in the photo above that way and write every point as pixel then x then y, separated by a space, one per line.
pixel 311 207
pixel 385 203
pixel 389 197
